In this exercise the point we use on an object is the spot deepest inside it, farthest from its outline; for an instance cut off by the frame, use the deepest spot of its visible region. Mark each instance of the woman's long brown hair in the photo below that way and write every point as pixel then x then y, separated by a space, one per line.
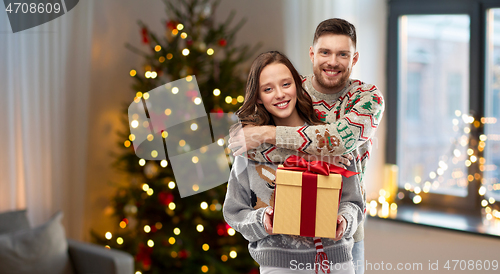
pixel 255 114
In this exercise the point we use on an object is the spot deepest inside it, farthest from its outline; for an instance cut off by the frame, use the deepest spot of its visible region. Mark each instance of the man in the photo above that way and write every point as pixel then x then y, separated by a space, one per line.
pixel 351 109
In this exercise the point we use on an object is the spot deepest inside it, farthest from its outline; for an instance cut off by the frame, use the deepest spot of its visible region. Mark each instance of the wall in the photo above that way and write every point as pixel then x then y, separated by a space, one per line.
pixel 115 23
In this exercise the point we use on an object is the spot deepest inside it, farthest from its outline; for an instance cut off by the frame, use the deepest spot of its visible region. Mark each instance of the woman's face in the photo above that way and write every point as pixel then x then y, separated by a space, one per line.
pixel 278 93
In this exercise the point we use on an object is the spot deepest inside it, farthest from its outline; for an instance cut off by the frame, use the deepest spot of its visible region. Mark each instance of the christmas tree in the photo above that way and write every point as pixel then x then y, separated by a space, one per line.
pixel 167 234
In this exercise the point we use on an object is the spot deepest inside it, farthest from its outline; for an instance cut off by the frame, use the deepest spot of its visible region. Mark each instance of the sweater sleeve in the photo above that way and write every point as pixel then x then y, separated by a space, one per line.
pixel 362 114
pixel 352 204
pixel 360 122
pixel 237 209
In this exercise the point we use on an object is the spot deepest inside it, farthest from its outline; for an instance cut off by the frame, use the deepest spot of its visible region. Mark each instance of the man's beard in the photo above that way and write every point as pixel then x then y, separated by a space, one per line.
pixel 335 85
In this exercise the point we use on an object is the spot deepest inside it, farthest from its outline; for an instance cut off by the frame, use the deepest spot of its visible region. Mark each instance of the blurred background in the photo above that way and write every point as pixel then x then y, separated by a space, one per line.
pixel 66 85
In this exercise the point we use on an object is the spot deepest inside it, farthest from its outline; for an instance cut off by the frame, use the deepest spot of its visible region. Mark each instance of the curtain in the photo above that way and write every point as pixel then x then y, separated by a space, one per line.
pixel 44 84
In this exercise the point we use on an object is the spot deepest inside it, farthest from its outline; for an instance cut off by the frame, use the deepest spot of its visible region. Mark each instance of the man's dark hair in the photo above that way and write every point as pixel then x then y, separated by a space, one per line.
pixel 335 26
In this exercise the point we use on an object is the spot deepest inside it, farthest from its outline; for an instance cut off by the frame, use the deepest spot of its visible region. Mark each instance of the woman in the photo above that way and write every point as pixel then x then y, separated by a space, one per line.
pixel 274 96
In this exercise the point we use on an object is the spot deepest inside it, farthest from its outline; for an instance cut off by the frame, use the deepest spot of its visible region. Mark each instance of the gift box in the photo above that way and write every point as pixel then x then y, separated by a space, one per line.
pixel 307 196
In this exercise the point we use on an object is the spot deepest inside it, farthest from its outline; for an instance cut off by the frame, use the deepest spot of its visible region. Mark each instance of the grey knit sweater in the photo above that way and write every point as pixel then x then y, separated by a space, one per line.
pixel 251 189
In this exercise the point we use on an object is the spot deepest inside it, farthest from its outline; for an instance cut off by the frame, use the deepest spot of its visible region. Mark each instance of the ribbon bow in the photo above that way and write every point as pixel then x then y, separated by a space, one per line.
pixel 298 163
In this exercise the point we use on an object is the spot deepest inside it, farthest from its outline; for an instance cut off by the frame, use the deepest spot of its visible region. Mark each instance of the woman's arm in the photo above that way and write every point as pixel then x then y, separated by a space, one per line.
pixel 351 129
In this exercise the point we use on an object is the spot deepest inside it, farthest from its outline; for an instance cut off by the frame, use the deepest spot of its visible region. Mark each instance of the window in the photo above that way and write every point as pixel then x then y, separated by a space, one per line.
pixel 443 105
pixel 433 54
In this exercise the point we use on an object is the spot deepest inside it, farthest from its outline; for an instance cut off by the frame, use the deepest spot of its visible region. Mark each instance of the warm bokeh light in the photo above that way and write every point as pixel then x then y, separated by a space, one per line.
pixel 171 206
pixel 164 163
pixel 220 142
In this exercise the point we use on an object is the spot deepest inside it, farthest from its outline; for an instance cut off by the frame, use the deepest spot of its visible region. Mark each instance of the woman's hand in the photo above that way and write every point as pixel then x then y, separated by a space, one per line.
pixel 341 227
pixel 268 220
pixel 251 137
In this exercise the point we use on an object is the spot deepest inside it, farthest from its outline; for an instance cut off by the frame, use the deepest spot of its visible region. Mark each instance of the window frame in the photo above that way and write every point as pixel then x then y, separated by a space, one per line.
pixel 476 9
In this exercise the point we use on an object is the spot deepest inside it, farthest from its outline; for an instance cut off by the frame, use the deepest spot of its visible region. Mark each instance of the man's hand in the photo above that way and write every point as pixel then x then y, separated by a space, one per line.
pixel 251 137
pixel 268 220
pixel 341 227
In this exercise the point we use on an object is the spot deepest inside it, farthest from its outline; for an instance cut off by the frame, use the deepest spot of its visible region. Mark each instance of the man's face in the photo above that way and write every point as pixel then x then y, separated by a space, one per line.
pixel 333 57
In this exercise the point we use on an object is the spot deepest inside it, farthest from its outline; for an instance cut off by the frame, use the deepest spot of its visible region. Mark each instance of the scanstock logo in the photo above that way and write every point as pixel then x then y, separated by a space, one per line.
pixel 26 14
pixel 172 119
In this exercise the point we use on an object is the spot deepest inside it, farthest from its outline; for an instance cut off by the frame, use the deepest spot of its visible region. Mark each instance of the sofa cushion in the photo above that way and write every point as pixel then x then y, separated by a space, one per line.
pixel 13 221
pixel 40 250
